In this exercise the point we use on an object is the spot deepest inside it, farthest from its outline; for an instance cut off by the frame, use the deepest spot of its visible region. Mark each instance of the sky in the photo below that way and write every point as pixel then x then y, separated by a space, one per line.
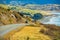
pixel 32 1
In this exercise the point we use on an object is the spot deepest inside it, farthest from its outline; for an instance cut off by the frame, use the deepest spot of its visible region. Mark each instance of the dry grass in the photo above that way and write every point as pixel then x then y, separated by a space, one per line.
pixel 27 33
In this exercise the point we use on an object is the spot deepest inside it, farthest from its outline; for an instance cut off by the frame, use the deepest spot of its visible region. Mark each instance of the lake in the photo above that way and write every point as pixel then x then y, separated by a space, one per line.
pixel 55 19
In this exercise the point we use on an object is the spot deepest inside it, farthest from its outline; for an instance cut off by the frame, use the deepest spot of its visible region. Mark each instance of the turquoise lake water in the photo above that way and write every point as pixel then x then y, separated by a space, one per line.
pixel 52 19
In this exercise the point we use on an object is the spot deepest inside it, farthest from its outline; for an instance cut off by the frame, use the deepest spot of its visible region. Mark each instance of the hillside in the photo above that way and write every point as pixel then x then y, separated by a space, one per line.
pixel 25 9
pixel 13 14
pixel 8 16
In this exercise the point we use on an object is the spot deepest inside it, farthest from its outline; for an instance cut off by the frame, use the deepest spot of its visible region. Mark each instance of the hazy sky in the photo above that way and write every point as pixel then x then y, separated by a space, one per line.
pixel 33 1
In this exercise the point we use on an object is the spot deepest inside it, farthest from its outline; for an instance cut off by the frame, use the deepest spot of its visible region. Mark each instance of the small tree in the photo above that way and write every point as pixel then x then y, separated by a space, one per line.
pixel 37 16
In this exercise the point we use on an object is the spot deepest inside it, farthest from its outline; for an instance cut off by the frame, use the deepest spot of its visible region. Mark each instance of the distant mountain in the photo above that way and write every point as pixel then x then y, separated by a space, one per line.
pixel 50 7
pixel 34 5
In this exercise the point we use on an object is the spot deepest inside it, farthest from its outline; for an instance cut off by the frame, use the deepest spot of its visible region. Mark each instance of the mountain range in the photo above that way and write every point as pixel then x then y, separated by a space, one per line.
pixel 46 7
